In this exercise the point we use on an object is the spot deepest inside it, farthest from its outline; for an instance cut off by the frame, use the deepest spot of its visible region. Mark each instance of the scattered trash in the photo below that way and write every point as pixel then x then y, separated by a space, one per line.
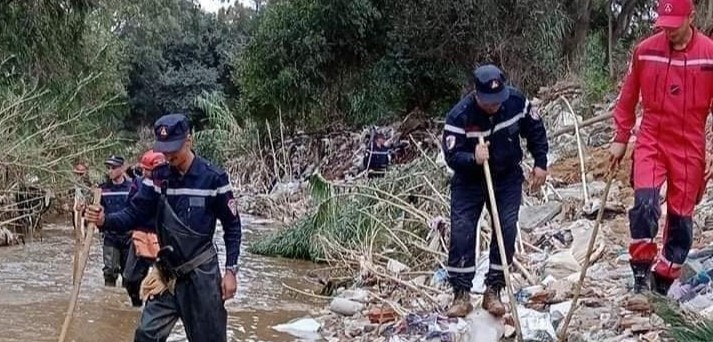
pixel 306 328
pixel 536 326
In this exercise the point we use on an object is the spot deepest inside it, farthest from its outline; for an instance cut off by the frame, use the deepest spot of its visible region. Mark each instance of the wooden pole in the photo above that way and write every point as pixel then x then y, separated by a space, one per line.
pixel 501 246
pixel 82 265
pixel 78 224
pixel 590 247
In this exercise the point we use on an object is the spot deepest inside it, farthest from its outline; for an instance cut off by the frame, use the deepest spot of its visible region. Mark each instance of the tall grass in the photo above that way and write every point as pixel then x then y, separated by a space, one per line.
pixel 388 215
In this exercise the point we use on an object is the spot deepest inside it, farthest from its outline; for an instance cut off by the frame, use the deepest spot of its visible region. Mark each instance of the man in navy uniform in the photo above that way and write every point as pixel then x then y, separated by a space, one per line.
pixel 115 194
pixel 377 158
pixel 187 196
pixel 501 115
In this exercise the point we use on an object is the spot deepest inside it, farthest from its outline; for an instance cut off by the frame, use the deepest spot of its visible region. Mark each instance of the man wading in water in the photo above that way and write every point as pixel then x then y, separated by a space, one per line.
pixel 186 197
pixel 115 195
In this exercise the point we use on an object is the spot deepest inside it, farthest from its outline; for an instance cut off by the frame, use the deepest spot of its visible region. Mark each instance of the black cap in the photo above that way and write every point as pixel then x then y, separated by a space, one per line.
pixel 490 84
pixel 114 160
pixel 171 131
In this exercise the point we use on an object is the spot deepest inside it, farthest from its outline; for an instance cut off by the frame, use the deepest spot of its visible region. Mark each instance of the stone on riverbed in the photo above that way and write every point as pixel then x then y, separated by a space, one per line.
pixel 537 215
pixel 345 307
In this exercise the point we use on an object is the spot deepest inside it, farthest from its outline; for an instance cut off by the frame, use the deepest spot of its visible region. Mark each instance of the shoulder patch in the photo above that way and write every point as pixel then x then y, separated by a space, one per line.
pixel 233 206
pixel 534 113
pixel 450 142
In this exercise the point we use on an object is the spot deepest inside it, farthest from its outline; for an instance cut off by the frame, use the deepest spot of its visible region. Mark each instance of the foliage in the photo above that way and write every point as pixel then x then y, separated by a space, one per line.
pixel 377 215
pixel 224 137
pixel 40 134
pixel 684 326
pixel 371 60
pixel 596 74
pixel 62 88
pixel 310 65
pixel 178 52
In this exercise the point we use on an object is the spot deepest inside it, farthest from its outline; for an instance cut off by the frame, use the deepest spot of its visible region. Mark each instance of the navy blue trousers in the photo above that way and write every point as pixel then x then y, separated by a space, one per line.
pixel 197 302
pixel 467 202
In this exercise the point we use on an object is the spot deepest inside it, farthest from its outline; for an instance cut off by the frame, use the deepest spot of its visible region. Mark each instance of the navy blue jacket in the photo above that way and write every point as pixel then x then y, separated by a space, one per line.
pixel 199 197
pixel 466 122
pixel 146 225
pixel 115 197
pixel 377 158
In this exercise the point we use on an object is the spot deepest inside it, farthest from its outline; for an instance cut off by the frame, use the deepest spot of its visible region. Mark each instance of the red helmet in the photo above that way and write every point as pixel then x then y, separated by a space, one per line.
pixel 151 159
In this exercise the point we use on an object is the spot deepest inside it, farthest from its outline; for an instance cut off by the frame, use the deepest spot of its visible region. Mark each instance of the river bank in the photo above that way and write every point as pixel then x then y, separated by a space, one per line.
pixel 386 243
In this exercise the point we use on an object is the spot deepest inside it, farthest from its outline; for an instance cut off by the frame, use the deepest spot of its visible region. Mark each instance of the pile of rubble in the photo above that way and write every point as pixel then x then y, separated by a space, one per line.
pixel 391 295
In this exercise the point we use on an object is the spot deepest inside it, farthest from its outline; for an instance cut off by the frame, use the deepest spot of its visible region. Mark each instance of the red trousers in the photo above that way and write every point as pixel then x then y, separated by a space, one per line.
pixel 682 168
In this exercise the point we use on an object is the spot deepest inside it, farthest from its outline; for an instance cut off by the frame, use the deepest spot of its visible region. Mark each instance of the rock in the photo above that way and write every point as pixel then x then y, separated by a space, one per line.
pixel 563 289
pixel 357 295
pixel 345 307
pixel 638 303
pixel 537 215
pixel 631 321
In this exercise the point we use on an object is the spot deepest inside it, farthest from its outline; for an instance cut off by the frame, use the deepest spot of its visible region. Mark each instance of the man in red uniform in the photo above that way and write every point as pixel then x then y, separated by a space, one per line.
pixel 673 72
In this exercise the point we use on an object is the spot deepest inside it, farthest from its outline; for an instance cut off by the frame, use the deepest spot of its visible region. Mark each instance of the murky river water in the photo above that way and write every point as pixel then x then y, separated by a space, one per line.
pixel 36 283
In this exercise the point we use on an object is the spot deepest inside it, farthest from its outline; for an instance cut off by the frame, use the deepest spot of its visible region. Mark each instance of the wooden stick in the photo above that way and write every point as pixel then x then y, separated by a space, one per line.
pixel 501 245
pixel 531 279
pixel 584 123
pixel 78 224
pixel 82 265
pixel 587 261
pixel 305 293
pixel 580 151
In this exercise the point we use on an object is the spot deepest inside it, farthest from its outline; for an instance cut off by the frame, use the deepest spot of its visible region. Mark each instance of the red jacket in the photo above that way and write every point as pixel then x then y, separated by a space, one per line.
pixel 675 88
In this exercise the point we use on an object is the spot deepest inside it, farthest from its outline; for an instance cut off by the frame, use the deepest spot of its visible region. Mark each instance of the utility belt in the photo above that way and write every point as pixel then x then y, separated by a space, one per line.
pixel 170 269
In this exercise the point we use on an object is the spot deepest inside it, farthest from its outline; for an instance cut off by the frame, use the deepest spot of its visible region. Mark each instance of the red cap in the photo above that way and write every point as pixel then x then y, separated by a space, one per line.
pixel 151 159
pixel 672 13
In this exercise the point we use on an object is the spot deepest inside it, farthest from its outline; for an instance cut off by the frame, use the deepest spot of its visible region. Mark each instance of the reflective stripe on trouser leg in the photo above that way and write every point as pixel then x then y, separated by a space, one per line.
pixel 466 206
pixel 643 225
pixel 678 239
pixel 508 196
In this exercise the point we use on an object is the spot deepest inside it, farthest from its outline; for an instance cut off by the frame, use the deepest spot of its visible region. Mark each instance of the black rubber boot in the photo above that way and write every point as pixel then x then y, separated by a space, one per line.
pixel 660 284
pixel 642 276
